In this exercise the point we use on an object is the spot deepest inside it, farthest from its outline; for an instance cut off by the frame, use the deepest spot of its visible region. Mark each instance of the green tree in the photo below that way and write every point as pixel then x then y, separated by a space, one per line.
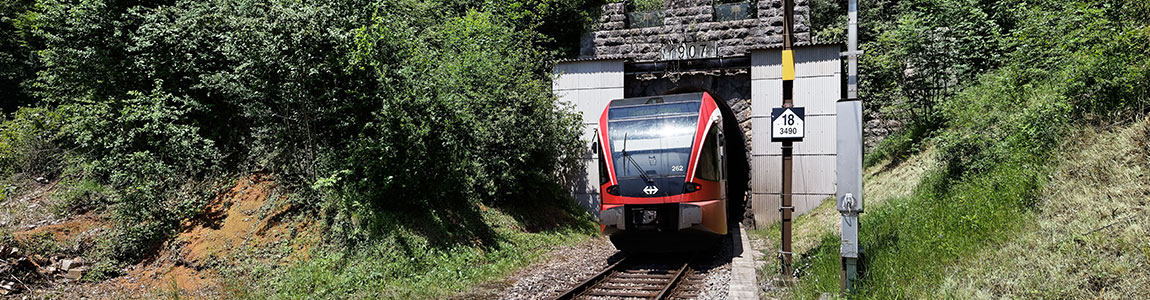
pixel 17 62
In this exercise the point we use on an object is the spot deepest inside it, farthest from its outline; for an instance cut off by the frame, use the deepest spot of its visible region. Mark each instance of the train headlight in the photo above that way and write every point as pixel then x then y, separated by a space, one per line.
pixel 613 190
pixel 692 187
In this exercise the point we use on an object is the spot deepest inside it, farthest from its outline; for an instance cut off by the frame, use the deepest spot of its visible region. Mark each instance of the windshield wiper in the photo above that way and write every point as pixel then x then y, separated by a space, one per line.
pixel 642 173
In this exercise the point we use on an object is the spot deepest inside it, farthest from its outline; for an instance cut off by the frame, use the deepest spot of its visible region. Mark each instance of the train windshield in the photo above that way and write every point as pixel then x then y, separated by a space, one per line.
pixel 658 142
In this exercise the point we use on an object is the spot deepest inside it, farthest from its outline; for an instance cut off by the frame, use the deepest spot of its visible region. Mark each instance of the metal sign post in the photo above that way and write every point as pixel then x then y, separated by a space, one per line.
pixel 786 207
pixel 849 154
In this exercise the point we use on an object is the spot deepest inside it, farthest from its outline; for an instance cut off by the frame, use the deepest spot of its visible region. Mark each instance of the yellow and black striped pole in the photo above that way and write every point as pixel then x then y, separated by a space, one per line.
pixel 786 206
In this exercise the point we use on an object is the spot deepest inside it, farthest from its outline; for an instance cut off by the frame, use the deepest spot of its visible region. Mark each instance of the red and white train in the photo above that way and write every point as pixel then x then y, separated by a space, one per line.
pixel 663 170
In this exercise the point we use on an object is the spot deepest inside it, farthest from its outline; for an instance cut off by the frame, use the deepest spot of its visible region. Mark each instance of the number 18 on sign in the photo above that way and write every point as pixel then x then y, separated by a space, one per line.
pixel 787 124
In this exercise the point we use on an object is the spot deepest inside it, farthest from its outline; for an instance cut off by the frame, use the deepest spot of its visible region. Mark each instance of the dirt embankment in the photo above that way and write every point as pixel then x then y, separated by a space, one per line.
pixel 239 224
pixel 233 225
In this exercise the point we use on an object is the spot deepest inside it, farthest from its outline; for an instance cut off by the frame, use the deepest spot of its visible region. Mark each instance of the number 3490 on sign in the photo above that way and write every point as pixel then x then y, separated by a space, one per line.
pixel 787 124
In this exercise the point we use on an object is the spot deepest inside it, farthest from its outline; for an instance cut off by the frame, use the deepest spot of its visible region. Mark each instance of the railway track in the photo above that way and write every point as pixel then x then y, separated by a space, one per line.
pixel 642 278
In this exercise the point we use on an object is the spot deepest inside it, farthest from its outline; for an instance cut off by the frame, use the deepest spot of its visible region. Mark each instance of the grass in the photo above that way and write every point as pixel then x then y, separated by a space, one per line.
pixel 898 146
pixel 911 240
pixel 405 265
pixel 1088 238
pixel 819 228
pixel 956 210
pixel 1074 229
pixel 997 215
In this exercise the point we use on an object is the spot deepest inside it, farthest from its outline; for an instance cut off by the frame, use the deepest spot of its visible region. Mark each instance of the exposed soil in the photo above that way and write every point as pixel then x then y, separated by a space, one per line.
pixel 232 223
pixel 66 230
pixel 244 217
pixel 228 222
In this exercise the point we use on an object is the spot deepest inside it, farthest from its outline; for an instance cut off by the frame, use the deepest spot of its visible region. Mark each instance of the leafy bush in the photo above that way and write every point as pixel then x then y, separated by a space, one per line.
pixel 367 110
pixel 28 143
pixel 900 145
pixel 17 60
pixel 147 149
pixel 473 123
pixel 647 5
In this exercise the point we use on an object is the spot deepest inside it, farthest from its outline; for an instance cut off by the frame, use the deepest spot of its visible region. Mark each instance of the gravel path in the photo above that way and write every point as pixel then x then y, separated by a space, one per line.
pixel 718 269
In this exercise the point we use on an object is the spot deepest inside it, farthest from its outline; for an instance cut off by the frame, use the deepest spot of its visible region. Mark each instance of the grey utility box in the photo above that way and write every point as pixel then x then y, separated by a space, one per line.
pixel 849 147
pixel 848 195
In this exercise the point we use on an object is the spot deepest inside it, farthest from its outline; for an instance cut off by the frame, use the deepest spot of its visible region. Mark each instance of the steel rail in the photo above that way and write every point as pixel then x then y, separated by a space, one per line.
pixel 674 281
pixel 590 282
pixel 613 280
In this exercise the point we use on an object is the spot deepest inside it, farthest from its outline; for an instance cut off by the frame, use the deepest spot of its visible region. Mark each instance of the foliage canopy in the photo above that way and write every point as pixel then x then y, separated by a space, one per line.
pixel 364 109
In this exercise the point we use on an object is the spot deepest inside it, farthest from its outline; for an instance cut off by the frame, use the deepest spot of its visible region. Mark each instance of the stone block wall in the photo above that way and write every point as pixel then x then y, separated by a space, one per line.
pixel 691 21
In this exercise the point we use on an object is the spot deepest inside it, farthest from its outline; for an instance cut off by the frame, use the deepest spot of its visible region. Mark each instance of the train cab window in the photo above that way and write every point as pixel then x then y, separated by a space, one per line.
pixel 708 168
pixel 657 146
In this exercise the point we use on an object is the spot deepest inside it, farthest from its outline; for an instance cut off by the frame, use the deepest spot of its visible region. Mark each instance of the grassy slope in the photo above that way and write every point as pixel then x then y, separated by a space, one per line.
pixel 1088 237
pixel 1085 236
pixel 406 265
pixel 999 151
pixel 910 241
pixel 885 181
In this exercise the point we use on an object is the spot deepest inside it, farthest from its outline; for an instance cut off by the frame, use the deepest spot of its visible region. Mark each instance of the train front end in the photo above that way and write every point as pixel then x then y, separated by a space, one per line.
pixel 662 172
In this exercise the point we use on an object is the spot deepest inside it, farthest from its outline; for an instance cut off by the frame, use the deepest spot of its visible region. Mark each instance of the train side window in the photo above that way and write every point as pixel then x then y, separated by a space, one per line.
pixel 604 177
pixel 722 159
pixel 708 168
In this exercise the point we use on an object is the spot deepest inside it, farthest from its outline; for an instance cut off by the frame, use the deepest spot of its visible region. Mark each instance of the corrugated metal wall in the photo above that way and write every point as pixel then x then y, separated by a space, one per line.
pixel 818 77
pixel 589 85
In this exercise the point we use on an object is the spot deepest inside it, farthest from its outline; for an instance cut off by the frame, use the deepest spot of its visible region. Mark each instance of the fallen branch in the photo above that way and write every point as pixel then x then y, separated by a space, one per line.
pixel 1107 226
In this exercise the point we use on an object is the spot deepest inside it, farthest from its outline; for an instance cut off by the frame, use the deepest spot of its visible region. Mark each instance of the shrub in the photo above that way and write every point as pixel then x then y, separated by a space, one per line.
pixel 145 148
pixel 17 59
pixel 472 123
pixel 28 143
pixel 366 109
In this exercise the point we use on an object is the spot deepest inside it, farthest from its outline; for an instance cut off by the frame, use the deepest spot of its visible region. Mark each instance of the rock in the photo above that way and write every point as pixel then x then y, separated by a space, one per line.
pixel 68 264
pixel 25 264
pixel 7 287
pixel 40 260
pixel 75 274
pixel 42 180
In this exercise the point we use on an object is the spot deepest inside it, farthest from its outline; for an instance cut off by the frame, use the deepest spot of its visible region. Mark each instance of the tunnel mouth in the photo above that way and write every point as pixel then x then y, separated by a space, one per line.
pixel 739 173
